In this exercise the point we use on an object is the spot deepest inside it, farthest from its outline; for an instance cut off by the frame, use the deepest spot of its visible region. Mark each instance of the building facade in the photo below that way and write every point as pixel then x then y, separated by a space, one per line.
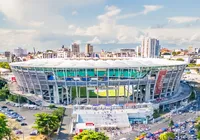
pixel 138 51
pixel 75 49
pixel 64 53
pixel 19 52
pixel 89 49
pixel 150 48
pixel 60 80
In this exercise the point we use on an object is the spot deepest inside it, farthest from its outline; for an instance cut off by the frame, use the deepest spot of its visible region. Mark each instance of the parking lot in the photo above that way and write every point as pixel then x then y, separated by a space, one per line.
pixel 28 114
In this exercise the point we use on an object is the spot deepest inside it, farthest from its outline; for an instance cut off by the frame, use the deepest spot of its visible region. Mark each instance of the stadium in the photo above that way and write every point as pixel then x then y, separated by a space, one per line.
pixel 113 81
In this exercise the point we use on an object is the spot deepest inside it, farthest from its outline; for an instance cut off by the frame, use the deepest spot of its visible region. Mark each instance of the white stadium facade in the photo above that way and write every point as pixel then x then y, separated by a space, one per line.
pixel 65 81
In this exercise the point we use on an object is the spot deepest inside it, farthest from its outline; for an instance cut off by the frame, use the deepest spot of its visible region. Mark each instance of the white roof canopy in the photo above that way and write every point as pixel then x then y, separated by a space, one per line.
pixel 66 63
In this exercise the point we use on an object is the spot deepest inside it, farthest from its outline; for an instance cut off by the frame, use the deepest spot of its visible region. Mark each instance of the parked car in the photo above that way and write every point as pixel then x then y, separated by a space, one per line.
pixel 17 132
pixel 24 124
pixel 4 107
pixel 34 133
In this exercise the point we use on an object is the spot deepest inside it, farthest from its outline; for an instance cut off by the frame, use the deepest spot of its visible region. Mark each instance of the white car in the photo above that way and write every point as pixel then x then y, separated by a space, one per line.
pixel 123 139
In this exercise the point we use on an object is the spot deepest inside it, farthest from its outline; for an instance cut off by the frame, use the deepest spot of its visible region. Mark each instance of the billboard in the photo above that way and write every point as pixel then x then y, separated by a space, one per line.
pixel 159 82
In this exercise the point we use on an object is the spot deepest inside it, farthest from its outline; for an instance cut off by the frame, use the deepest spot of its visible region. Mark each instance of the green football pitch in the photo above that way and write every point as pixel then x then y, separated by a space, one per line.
pixel 102 92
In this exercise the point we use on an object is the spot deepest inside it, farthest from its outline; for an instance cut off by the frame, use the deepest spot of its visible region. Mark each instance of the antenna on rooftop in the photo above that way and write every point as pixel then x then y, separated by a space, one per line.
pixel 34 50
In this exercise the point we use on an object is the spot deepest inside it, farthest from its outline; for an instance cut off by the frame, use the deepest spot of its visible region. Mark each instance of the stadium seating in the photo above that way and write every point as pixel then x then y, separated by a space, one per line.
pixel 113 73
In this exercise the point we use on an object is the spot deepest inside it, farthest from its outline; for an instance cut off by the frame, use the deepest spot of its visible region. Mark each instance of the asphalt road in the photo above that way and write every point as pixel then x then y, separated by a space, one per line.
pixel 176 118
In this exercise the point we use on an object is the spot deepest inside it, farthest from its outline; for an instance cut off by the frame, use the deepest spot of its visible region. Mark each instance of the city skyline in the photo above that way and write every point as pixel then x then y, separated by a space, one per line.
pixel 105 24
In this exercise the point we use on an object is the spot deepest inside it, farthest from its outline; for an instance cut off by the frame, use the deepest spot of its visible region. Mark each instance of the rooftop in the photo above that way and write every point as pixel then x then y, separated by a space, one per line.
pixel 123 63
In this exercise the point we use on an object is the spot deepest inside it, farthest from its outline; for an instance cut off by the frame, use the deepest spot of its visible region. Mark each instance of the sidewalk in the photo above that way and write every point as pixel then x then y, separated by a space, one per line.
pixel 66 125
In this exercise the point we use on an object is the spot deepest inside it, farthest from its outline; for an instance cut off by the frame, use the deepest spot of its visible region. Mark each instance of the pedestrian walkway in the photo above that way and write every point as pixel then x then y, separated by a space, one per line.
pixel 66 125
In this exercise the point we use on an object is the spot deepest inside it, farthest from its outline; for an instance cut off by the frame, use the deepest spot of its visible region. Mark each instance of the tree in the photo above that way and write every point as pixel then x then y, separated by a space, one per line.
pixel 167 136
pixel 4 65
pixel 52 106
pixel 198 135
pixel 46 123
pixel 171 123
pixel 173 53
pixel 191 65
pixel 179 59
pixel 2 83
pixel 59 112
pixel 156 114
pixel 5 132
pixel 192 96
pixel 90 135
pixel 3 95
pixel 198 127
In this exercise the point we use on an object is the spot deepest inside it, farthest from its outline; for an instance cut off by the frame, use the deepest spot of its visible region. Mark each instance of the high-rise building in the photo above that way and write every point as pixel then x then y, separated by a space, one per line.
pixel 197 50
pixel 75 49
pixel 88 49
pixel 150 48
pixel 138 51
pixel 8 56
pixel 190 49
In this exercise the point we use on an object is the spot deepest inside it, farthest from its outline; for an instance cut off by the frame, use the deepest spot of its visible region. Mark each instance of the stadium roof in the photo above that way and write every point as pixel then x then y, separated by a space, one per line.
pixel 67 63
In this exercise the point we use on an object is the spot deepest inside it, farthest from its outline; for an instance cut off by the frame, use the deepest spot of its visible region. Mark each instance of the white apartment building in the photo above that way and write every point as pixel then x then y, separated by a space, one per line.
pixel 138 51
pixel 64 53
pixel 19 52
pixel 150 48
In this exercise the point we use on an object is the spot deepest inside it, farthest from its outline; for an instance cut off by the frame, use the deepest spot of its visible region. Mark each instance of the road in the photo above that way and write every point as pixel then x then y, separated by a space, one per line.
pixel 176 118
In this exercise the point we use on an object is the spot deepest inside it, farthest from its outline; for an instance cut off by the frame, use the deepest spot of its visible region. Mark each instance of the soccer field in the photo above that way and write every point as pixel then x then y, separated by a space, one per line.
pixel 111 92
pixel 102 92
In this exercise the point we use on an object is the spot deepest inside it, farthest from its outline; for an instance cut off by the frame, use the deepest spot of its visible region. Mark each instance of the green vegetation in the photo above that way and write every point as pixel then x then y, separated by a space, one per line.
pixel 5 94
pixel 192 96
pixel 52 106
pixel 197 126
pixel 179 59
pixel 47 123
pixel 4 65
pixel 192 65
pixel 167 136
pixel 16 98
pixel 171 123
pixel 5 131
pixel 59 112
pixel 156 114
pixel 173 53
pixel 90 135
pixel 2 83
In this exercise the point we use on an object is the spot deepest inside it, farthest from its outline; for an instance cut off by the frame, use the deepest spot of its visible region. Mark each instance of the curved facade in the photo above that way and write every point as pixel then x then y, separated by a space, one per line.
pixel 61 81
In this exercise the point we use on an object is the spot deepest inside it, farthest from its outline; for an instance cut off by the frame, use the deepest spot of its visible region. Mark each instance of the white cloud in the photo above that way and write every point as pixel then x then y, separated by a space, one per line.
pixel 107 29
pixel 147 9
pixel 46 28
pixel 183 19
pixel 77 42
pixel 179 36
pixel 74 13
pixel 151 8
pixel 71 26
pixel 36 23
pixel 95 41
pixel 111 11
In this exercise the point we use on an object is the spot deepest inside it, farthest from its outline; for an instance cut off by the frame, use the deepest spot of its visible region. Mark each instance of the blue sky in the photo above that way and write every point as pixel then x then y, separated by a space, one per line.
pixel 107 24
